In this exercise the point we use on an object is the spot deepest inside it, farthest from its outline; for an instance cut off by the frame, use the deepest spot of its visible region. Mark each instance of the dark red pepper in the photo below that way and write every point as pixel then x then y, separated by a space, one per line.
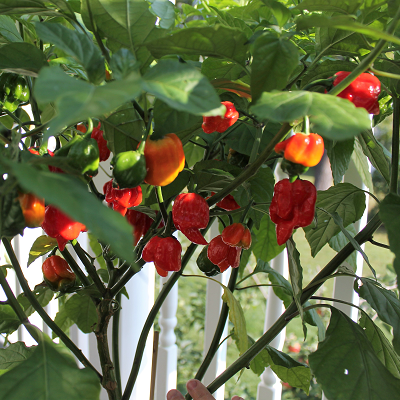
pixel 141 224
pixel 164 252
pixel 97 134
pixel 190 213
pixel 237 235
pixel 292 206
pixel 228 203
pixel 221 124
pixel 122 199
pixel 223 255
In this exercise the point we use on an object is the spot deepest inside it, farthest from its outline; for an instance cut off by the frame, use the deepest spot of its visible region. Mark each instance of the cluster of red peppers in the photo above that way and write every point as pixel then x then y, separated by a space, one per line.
pixel 122 199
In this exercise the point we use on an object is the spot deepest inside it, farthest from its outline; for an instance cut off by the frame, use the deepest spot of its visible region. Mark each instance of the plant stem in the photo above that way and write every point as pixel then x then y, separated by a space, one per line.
pixel 115 343
pixel 311 288
pixel 35 304
pixel 75 267
pixel 256 144
pixel 394 177
pixel 126 278
pixel 161 205
pixel 252 168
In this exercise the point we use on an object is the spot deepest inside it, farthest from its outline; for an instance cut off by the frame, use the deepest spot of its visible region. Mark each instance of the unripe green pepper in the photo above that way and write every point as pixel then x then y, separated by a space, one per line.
pixel 84 156
pixel 129 169
pixel 205 265
pixel 14 90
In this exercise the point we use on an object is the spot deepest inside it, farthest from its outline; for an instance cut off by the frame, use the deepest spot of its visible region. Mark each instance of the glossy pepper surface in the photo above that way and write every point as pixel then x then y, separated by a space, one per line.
pixel 141 224
pixel 164 159
pixel 228 203
pixel 165 253
pixel 57 273
pixel 129 169
pixel 237 235
pixel 59 226
pixel 14 90
pixel 84 156
pixel 221 124
pixel 303 149
pixel 122 199
pixel 190 213
pixel 205 265
pixel 32 208
pixel 362 92
pixel 223 255
pixel 292 206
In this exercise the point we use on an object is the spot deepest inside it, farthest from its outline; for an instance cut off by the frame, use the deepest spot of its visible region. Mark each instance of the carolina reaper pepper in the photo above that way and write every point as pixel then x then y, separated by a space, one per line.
pixel 164 159
pixel 61 227
pixel 190 213
pixel 228 203
pixel 164 252
pixel 292 206
pixel 14 90
pixel 362 92
pixel 57 273
pixel 303 149
pixel 32 208
pixel 222 254
pixel 141 224
pixel 122 199
pixel 221 124
pixel 237 235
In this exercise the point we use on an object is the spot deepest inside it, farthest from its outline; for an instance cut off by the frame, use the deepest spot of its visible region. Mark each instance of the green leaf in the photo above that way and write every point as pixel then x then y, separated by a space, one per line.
pixel 330 116
pixel 339 154
pixel 77 45
pixel 164 10
pixel 362 166
pixel 82 311
pixel 280 12
pixel 212 41
pixel 9 30
pixel 382 347
pixel 9 322
pixel 77 100
pixel 63 321
pixel 43 295
pixel 41 246
pixel 122 63
pixel 14 355
pixel 341 6
pixel 25 7
pixel 345 362
pixel 49 373
pixel 338 241
pixel 384 302
pixel 97 251
pixel 266 248
pixel 375 153
pixel 216 68
pixel 345 199
pixel 21 58
pixel 12 221
pixel 274 60
pixel 183 88
pixel 72 197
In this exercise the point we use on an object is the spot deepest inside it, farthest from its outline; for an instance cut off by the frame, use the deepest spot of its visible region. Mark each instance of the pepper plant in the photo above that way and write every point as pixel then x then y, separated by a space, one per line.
pixel 192 100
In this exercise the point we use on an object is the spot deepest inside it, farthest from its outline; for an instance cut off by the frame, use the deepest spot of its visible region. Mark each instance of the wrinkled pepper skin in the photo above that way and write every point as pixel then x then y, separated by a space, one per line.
pixel 84 156
pixel 14 90
pixel 57 273
pixel 228 203
pixel 129 169
pixel 362 92
pixel 164 159
pixel 237 235
pixel 223 255
pixel 221 124
pixel 303 149
pixel 97 135
pixel 165 253
pixel 122 199
pixel 32 208
pixel 141 224
pixel 205 265
pixel 59 226
pixel 292 206
pixel 190 213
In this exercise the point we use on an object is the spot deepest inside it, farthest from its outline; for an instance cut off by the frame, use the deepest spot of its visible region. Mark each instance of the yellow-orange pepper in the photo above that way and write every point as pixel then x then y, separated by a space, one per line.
pixel 32 208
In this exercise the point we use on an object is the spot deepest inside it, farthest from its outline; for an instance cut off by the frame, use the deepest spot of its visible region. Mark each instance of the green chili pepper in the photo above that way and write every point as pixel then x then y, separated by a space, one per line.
pixel 129 169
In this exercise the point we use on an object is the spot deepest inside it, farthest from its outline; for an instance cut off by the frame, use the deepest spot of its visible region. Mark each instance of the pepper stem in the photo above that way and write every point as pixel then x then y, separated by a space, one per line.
pixel 306 125
pixel 161 204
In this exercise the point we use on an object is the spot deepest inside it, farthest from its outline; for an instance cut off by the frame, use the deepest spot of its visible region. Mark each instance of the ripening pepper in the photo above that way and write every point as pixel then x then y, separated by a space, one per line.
pixel 14 90
pixel 57 273
pixel 221 124
pixel 223 255
pixel 32 208
pixel 129 169
pixel 237 235
pixel 292 206
pixel 141 224
pixel 303 149
pixel 61 227
pixel 190 213
pixel 362 92
pixel 122 199
pixel 164 252
pixel 164 159
pixel 205 265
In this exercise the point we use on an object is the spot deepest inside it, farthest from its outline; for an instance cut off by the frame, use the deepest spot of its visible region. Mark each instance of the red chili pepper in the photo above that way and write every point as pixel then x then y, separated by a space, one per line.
pixel 122 199
pixel 292 206
pixel 164 252
pixel 140 222
pixel 302 149
pixel 57 273
pixel 59 226
pixel 362 92
pixel 190 213
pixel 32 208
pixel 51 168
pixel 221 124
pixel 222 254
pixel 237 235
pixel 97 134
pixel 228 203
